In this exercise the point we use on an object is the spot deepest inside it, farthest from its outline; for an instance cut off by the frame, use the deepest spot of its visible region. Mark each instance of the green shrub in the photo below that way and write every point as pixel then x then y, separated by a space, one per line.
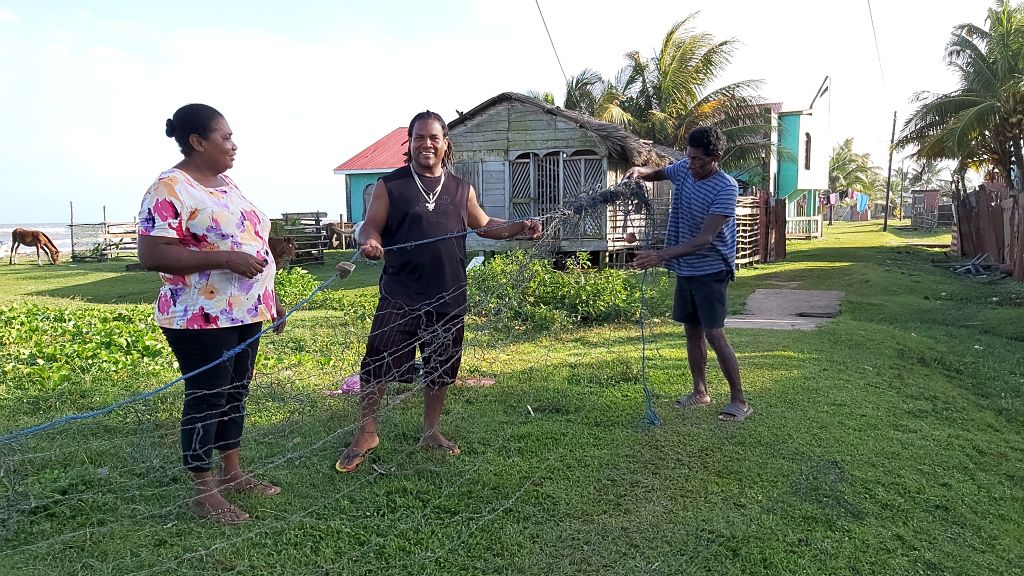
pixel 524 292
pixel 50 346
pixel 295 285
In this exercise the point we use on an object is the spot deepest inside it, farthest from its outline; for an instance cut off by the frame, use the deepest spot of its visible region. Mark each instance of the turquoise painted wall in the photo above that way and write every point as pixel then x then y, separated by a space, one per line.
pixel 789 146
pixel 354 194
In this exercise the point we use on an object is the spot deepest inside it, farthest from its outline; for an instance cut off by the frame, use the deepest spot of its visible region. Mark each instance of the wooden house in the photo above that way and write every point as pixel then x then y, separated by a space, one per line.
pixel 527 158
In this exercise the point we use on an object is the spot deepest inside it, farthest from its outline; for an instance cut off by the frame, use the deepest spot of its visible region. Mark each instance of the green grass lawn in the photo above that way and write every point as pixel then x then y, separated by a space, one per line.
pixel 889 441
pixel 108 283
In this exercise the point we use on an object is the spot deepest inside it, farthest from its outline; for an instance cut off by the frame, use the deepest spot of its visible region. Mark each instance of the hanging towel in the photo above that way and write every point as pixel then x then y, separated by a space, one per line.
pixel 862 202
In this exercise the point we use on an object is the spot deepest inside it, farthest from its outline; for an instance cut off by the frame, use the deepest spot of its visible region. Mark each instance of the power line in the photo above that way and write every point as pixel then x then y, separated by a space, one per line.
pixel 650 415
pixel 874 33
pixel 550 39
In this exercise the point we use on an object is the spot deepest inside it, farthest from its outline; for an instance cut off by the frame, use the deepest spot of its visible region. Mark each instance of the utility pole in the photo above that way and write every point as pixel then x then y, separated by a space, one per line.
pixel 903 186
pixel 888 179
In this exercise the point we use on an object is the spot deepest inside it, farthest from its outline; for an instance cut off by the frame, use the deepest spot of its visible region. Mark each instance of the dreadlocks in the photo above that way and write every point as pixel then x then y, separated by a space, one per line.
pixel 449 154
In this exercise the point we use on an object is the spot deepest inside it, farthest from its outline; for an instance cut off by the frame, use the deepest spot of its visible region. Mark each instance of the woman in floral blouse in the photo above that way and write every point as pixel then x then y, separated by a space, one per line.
pixel 209 244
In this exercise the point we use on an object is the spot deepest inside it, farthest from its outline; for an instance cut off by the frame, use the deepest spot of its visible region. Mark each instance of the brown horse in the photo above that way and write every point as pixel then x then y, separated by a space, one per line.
pixel 283 250
pixel 334 233
pixel 33 238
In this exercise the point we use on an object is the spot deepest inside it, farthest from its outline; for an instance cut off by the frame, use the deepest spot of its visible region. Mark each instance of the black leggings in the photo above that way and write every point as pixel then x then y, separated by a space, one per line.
pixel 214 411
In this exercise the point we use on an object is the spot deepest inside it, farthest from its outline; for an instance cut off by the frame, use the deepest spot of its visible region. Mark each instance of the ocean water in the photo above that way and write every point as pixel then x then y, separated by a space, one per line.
pixel 60 234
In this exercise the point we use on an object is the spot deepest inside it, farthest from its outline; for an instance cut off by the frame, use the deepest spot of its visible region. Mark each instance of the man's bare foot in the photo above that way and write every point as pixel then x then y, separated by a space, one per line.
pixel 242 482
pixel 693 400
pixel 213 507
pixel 435 440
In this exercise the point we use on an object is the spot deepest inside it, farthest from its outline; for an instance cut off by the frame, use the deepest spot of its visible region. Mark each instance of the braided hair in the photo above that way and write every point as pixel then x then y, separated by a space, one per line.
pixel 449 153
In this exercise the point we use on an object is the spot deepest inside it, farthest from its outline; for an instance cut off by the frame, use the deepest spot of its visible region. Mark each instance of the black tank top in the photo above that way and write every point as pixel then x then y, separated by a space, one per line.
pixel 431 275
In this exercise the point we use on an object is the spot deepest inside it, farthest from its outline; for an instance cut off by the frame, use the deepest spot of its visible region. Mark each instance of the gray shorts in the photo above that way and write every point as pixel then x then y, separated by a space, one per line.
pixel 701 300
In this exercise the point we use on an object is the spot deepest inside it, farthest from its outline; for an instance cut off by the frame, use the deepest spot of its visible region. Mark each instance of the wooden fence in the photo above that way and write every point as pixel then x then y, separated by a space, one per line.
pixel 748 231
pixel 307 230
pixel 771 228
pixel 104 240
pixel 989 221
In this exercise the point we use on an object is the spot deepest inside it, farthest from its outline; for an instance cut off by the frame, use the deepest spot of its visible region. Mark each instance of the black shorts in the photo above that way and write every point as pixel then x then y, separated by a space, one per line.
pixel 701 300
pixel 395 334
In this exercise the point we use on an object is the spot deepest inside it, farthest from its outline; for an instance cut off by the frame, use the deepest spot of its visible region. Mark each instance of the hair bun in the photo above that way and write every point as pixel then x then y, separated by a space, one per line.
pixel 170 128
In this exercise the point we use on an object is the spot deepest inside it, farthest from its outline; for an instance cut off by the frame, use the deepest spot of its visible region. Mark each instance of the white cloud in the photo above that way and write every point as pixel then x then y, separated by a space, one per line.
pixel 7 16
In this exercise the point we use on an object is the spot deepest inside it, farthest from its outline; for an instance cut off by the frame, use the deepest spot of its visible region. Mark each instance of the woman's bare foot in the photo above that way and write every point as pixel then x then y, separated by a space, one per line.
pixel 435 440
pixel 242 482
pixel 210 505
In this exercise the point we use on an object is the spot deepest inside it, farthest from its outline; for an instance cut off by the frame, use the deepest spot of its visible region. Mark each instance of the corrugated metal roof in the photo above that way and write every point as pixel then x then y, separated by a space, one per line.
pixel 387 153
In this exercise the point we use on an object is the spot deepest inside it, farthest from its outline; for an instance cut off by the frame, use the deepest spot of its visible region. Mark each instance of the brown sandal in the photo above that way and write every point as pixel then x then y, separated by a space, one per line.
pixel 221 515
pixel 353 458
pixel 255 486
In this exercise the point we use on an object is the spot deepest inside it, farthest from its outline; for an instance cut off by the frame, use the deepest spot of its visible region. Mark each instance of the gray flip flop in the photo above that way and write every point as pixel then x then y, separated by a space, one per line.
pixel 689 401
pixel 733 412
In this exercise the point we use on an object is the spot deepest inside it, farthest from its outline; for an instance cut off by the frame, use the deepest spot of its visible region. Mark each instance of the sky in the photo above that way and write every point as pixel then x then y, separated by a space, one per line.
pixel 86 87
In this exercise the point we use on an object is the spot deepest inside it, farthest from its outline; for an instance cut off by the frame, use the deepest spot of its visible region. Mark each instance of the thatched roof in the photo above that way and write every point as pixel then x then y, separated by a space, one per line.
pixel 622 145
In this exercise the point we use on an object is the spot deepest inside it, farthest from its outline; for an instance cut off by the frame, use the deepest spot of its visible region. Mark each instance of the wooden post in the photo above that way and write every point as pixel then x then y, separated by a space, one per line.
pixel 72 226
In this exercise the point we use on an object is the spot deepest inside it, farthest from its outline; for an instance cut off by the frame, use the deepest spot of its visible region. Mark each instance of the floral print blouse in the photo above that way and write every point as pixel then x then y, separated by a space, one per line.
pixel 201 218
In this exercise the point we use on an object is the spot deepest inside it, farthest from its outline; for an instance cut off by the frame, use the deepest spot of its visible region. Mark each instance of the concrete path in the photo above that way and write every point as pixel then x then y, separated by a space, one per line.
pixel 787 309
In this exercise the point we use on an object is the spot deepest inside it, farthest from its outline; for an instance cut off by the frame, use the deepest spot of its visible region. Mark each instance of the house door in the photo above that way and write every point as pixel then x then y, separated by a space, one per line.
pixel 367 193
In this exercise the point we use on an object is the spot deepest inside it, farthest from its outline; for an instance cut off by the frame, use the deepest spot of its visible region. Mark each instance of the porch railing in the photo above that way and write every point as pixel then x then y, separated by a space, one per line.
pixel 803 227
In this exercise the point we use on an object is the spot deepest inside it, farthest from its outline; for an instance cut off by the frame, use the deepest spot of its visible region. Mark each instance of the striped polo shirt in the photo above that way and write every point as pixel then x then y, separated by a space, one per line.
pixel 692 202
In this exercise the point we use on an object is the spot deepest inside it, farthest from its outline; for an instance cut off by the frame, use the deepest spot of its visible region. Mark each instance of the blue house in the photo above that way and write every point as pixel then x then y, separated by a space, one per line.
pixel 797 172
pixel 362 171
pixel 803 161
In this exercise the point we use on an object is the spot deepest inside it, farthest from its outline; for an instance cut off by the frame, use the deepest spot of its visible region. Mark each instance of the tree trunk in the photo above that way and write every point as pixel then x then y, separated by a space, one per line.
pixel 1018 243
pixel 1018 161
pixel 965 238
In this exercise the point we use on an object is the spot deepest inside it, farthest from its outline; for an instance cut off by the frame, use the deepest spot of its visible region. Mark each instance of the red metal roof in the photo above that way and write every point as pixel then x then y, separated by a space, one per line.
pixel 387 153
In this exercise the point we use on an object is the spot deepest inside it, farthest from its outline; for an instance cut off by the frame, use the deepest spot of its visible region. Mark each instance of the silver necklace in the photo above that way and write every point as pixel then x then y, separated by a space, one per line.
pixel 431 198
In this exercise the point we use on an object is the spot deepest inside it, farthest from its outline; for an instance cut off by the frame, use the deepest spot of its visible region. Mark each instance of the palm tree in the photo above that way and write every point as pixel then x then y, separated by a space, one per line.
pixel 927 174
pixel 663 97
pixel 852 171
pixel 546 97
pixel 982 120
pixel 589 93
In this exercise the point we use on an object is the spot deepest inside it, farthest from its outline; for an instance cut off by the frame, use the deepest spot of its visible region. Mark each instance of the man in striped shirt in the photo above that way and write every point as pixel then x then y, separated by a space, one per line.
pixel 700 248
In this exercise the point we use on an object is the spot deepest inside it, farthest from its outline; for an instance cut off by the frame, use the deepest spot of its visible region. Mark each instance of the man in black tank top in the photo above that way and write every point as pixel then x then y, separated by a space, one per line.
pixel 423 285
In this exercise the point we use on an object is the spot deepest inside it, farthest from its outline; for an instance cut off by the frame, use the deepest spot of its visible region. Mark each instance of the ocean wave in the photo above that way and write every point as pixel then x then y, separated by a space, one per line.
pixel 60 234
pixel 48 229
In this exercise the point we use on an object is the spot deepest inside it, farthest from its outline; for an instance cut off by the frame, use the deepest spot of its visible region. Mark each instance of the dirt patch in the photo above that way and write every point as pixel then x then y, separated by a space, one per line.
pixel 475 382
pixel 792 284
pixel 787 309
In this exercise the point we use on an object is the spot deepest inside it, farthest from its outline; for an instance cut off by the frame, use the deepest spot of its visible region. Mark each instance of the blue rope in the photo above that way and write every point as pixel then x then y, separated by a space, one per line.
pixel 227 355
pixel 650 416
